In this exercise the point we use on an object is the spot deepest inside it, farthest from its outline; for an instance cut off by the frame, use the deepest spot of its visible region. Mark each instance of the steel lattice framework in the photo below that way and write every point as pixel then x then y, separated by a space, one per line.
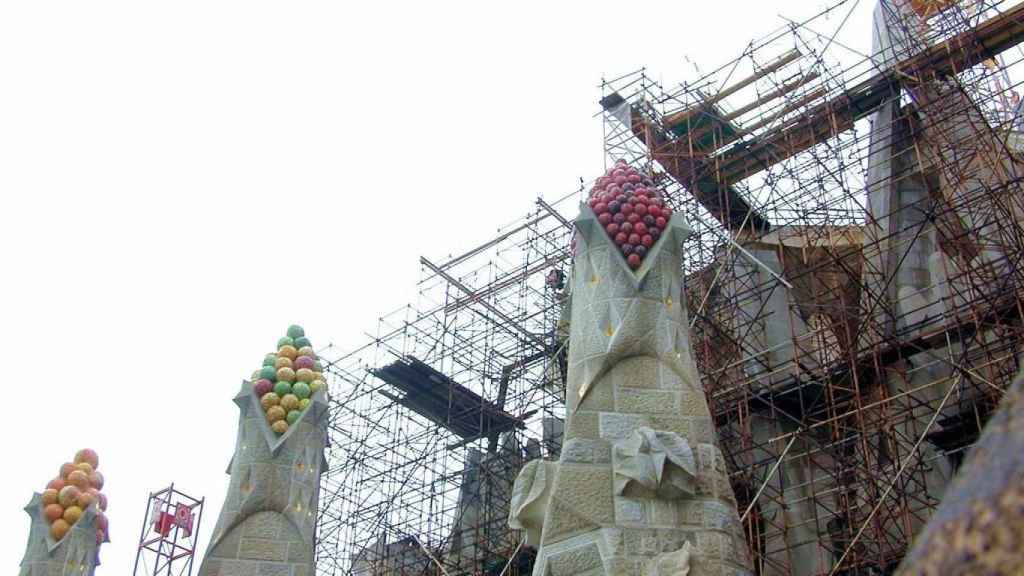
pixel 854 283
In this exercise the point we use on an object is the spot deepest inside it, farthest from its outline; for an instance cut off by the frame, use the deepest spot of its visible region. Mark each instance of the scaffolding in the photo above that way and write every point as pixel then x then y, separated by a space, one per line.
pixel 854 277
pixel 432 418
pixel 854 287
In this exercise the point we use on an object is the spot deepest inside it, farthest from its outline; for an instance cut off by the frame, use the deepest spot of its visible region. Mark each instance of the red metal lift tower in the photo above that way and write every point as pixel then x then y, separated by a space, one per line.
pixel 170 531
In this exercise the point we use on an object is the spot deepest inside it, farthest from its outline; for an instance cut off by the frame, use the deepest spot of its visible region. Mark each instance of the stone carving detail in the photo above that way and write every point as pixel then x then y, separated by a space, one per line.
pixel 76 554
pixel 671 563
pixel 268 520
pixel 654 464
pixel 531 494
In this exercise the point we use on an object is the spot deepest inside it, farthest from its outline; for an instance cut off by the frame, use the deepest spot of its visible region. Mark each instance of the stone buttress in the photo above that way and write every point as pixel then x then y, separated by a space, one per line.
pixel 640 487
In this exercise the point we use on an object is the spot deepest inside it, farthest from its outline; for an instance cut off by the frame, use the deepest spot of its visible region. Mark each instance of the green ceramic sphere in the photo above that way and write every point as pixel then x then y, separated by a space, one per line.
pixel 285 341
pixel 282 388
pixel 269 373
pixel 302 341
pixel 293 417
pixel 301 389
pixel 269 359
pixel 296 331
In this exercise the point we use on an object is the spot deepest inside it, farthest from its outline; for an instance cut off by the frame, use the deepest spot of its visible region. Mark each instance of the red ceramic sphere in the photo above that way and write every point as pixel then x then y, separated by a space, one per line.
pixel 612 229
pixel 633 260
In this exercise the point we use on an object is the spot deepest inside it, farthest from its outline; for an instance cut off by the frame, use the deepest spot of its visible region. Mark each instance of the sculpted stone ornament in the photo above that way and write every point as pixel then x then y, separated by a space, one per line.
pixel 74 555
pixel 640 488
pixel 654 464
pixel 531 494
pixel 268 520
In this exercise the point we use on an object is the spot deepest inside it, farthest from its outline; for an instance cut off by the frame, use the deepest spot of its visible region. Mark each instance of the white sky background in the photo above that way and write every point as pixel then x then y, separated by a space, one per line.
pixel 182 180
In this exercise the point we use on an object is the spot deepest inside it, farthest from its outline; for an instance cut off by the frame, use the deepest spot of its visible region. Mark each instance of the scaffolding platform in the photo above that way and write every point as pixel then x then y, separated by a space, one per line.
pixel 443 401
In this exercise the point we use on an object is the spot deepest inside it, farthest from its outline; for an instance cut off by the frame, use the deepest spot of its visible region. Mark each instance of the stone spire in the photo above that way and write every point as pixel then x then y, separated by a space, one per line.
pixel 640 487
pixel 268 521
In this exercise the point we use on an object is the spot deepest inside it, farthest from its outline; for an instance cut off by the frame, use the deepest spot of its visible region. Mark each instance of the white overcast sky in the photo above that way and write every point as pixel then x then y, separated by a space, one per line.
pixel 182 180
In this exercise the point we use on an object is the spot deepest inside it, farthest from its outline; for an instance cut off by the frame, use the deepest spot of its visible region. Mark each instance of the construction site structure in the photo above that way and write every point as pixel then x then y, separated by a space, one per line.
pixel 855 269
pixel 170 534
pixel 854 283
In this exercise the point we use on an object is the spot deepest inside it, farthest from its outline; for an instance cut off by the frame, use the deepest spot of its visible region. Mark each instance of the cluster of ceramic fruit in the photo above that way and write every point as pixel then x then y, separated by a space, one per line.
pixel 69 495
pixel 287 380
pixel 631 209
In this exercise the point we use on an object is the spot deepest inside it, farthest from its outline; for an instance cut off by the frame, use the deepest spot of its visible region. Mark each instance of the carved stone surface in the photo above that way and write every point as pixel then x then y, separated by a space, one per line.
pixel 267 523
pixel 655 465
pixel 640 488
pixel 75 554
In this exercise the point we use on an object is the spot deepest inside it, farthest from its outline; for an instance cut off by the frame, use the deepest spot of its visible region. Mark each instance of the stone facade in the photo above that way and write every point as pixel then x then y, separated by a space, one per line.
pixel 641 486
pixel 76 554
pixel 267 524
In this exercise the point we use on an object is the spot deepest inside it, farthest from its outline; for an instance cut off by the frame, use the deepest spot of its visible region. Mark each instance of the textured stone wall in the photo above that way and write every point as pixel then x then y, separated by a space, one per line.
pixel 267 525
pixel 75 554
pixel 640 487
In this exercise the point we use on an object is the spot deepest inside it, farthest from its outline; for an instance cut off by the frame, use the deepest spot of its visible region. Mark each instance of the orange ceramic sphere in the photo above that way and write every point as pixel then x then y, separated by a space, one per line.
pixel 288 351
pixel 85 467
pixel 87 455
pixel 50 496
pixel 68 496
pixel 269 400
pixel 79 478
pixel 53 512
pixel 305 375
pixel 289 402
pixel 307 351
pixel 282 362
pixel 72 514
pixel 67 468
pixel 279 427
pixel 59 529
pixel 286 375
pixel 56 484
pixel 275 413
pixel 86 499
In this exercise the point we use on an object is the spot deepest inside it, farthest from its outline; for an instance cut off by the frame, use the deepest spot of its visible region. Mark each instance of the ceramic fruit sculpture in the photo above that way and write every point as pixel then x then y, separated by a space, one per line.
pixel 287 380
pixel 631 210
pixel 77 486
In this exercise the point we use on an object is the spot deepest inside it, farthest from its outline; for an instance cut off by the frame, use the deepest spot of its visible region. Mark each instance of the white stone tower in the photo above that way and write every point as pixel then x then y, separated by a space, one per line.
pixel 640 487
